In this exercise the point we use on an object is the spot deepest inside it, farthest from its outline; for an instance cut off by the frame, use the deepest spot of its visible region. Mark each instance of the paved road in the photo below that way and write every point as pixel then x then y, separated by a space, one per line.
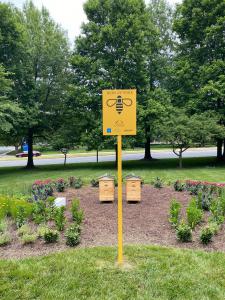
pixel 4 150
pixel 155 154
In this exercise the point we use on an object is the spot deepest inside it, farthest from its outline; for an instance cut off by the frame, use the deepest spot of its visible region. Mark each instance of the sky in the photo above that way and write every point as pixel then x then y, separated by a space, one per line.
pixel 68 13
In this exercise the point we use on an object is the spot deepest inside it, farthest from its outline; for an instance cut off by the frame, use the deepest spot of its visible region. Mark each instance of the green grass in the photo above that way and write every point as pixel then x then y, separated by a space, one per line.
pixel 150 272
pixel 18 179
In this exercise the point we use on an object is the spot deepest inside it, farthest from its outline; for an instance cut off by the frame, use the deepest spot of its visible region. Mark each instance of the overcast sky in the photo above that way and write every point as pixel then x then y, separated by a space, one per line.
pixel 68 13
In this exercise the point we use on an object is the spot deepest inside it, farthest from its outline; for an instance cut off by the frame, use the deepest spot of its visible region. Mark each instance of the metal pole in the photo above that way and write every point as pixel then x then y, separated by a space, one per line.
pixel 120 201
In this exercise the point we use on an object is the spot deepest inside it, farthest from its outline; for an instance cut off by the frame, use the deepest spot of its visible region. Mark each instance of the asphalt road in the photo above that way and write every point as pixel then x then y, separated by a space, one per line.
pixel 155 154
pixel 4 150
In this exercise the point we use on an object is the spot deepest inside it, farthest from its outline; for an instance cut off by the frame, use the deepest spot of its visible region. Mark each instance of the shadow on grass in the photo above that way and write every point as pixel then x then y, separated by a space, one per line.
pixel 172 163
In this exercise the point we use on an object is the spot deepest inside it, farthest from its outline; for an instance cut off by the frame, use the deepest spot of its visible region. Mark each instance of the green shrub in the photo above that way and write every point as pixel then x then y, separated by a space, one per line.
pixel 216 211
pixel 214 227
pixel 41 230
pixel 206 235
pixel 51 236
pixel 24 230
pixel 73 235
pixel 28 238
pixel 5 239
pixel 204 200
pixel 77 213
pixel 3 225
pixel 184 233
pixel 16 203
pixel 222 204
pixel 41 190
pixel 95 182
pixel 4 206
pixel 40 215
pixel 9 206
pixel 50 207
pixel 179 186
pixel 20 217
pixel 194 214
pixel 175 208
pixel 75 182
pixel 59 218
pixel 60 185
pixel 157 183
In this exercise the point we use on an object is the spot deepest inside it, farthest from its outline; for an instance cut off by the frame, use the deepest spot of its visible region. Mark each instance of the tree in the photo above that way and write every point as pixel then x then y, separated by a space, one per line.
pixel 10 55
pixel 153 108
pixel 152 114
pixel 200 27
pixel 94 139
pixel 8 110
pixel 113 50
pixel 183 131
pixel 43 73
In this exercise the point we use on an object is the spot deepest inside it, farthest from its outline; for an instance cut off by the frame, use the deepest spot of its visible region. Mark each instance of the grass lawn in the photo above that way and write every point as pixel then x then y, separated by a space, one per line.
pixel 18 179
pixel 150 272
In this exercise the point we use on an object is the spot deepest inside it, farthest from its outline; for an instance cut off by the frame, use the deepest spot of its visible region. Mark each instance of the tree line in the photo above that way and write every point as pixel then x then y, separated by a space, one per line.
pixel 173 57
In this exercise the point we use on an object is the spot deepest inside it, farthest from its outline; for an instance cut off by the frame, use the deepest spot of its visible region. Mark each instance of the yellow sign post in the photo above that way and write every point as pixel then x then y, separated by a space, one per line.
pixel 119 118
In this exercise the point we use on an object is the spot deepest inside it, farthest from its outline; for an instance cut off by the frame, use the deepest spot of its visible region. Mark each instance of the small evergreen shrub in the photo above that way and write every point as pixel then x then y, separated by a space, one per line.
pixel 179 186
pixel 51 236
pixel 157 183
pixel 175 208
pixel 77 212
pixel 73 235
pixel 216 211
pixel 184 233
pixel 59 218
pixel 206 235
pixel 20 217
pixel 40 215
pixel 194 214
pixel 50 208
pixel 204 200
pixel 95 182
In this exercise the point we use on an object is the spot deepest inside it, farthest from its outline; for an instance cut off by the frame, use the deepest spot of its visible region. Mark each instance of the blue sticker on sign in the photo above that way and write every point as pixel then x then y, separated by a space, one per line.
pixel 109 130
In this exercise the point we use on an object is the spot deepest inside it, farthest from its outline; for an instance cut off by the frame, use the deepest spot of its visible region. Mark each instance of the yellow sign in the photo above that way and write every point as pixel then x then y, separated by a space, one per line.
pixel 119 112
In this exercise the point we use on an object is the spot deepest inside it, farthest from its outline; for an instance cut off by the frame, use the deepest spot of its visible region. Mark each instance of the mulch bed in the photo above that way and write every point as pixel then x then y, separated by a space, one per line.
pixel 143 223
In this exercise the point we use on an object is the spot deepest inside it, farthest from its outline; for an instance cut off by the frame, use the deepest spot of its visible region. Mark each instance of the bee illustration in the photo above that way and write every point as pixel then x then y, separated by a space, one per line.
pixel 119 102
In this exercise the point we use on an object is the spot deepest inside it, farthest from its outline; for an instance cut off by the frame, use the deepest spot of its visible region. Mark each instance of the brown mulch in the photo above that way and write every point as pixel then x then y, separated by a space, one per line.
pixel 143 223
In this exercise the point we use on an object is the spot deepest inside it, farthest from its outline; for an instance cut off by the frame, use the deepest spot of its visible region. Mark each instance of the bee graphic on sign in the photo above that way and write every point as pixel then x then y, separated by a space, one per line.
pixel 119 102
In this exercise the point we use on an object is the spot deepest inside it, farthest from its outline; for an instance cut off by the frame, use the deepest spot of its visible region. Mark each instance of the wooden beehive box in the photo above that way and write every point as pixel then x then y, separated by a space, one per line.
pixel 133 189
pixel 106 189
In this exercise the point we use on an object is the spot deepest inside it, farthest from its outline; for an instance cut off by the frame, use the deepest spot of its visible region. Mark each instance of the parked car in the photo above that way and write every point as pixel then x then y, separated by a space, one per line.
pixel 25 154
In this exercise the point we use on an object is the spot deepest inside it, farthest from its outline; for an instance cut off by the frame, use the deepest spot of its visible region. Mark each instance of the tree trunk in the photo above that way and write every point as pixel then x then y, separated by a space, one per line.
pixel 65 157
pixel 180 161
pixel 97 155
pixel 17 149
pixel 148 155
pixel 30 161
pixel 219 149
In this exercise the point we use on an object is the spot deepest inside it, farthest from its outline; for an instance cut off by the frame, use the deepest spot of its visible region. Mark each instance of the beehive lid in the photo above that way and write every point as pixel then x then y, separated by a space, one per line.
pixel 106 177
pixel 133 177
